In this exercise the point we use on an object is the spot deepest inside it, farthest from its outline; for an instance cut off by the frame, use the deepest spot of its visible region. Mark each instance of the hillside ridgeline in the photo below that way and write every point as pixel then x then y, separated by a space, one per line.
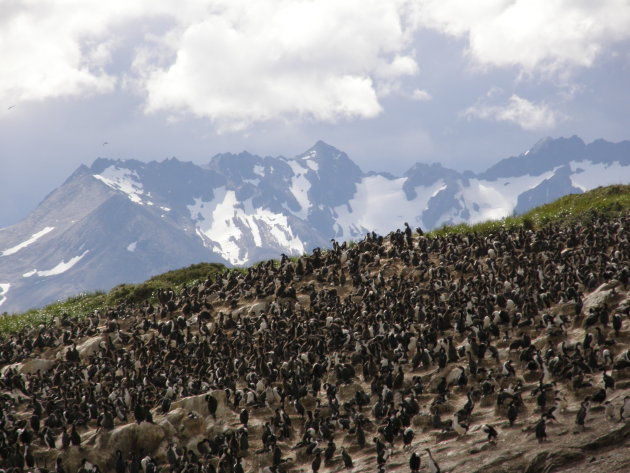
pixel 384 347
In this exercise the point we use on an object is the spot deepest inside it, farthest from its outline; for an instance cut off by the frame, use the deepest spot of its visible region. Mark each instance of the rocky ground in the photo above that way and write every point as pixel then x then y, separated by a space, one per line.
pixel 597 446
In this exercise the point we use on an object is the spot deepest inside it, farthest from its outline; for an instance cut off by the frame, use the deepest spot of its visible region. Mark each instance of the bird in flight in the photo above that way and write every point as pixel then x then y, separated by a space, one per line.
pixel 12 106
pixel 105 143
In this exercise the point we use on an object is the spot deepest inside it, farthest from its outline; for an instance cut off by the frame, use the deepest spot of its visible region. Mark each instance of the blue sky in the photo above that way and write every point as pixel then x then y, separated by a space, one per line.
pixel 391 82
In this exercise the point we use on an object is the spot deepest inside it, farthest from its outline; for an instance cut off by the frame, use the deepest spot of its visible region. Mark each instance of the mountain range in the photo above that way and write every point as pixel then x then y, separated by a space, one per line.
pixel 124 220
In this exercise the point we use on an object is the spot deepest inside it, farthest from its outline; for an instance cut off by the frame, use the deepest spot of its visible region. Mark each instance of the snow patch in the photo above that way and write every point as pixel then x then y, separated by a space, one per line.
pixel 4 288
pixel 300 186
pixel 259 170
pixel 495 199
pixel 59 269
pixel 24 244
pixel 131 247
pixel 588 175
pixel 312 165
pixel 380 205
pixel 310 162
pixel 224 222
pixel 124 180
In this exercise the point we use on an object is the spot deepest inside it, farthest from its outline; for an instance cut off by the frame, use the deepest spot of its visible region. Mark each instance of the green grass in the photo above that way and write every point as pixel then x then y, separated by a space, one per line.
pixel 85 304
pixel 572 209
pixel 76 306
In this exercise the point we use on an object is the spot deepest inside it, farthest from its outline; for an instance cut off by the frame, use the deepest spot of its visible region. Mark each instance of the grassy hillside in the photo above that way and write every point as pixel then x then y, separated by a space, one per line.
pixel 86 303
pixel 569 210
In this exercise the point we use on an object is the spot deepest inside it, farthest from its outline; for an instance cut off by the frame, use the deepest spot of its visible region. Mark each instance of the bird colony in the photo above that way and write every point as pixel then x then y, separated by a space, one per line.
pixel 463 353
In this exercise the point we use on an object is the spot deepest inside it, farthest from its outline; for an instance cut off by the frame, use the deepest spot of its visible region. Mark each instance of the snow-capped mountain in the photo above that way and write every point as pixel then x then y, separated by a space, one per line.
pixel 124 221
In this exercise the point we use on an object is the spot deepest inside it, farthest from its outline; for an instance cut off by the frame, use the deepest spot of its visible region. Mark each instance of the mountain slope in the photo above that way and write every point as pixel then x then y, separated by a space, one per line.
pixel 385 348
pixel 242 208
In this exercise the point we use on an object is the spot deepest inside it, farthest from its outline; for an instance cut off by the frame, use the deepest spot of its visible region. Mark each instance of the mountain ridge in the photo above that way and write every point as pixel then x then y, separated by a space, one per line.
pixel 242 208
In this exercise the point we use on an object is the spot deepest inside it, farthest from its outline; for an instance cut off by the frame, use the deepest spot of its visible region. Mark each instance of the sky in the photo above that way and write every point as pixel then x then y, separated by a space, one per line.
pixel 390 82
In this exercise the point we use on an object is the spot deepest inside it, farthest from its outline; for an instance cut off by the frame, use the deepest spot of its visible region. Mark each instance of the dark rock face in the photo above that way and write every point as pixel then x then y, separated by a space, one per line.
pixel 547 191
pixel 549 461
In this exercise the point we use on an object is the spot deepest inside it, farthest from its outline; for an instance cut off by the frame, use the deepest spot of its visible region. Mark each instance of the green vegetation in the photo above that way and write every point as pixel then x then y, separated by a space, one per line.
pixel 84 304
pixel 572 209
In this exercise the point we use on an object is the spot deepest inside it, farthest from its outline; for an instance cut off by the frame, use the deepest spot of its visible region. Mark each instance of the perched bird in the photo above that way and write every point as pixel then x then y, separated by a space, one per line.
pixel 212 405
pixel 75 439
pixel 59 465
pixel 599 396
pixel 508 369
pixel 580 417
pixel 541 430
pixel 458 427
pixel 512 413
pixel 414 463
pixel 330 450
pixel 408 436
pixel 244 417
pixel 609 381
pixel 491 431
pixel 347 459
pixel 121 466
pixel 276 456
pixel 316 463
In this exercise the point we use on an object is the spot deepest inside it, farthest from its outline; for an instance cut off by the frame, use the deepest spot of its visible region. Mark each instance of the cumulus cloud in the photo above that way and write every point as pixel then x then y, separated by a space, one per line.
pixel 528 115
pixel 42 54
pixel 534 35
pixel 323 60
pixel 238 62
pixel 234 61
pixel 420 95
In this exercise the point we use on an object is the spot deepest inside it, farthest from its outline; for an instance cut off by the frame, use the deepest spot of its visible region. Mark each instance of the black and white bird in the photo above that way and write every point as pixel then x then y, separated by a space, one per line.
pixel 491 432
pixel 580 417
pixel 609 381
pixel 508 369
pixel 408 436
pixel 459 427
pixel 414 463
pixel 512 413
pixel 317 462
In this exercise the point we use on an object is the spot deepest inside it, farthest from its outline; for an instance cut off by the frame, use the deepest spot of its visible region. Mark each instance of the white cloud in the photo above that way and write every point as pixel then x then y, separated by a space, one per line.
pixel 239 62
pixel 57 48
pixel 323 60
pixel 234 61
pixel 421 95
pixel 534 35
pixel 528 115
